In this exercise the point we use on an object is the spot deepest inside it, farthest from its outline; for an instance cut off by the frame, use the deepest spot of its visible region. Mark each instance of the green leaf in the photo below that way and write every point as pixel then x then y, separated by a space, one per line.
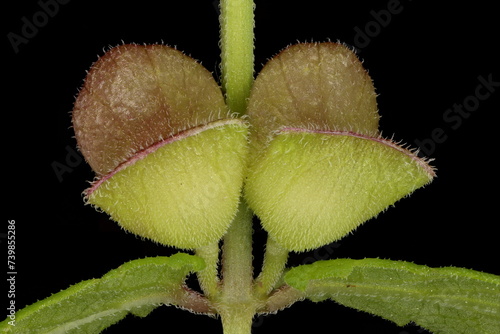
pixel 90 306
pixel 442 300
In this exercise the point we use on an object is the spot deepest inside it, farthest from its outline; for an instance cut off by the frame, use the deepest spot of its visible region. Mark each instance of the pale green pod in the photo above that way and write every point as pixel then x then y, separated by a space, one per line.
pixel 169 157
pixel 319 168
pixel 183 192
pixel 312 188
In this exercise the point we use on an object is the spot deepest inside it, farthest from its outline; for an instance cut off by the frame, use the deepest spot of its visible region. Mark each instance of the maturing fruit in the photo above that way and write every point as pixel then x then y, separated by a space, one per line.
pixel 319 167
pixel 169 158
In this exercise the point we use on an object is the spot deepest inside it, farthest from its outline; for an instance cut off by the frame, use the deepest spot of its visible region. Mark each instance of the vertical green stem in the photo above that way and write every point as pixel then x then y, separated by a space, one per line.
pixel 238 320
pixel 237 305
pixel 237 44
pixel 237 270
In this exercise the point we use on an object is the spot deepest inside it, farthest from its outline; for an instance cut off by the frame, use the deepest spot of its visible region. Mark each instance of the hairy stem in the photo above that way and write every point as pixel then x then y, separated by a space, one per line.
pixel 237 270
pixel 237 59
pixel 275 259
pixel 236 305
pixel 209 277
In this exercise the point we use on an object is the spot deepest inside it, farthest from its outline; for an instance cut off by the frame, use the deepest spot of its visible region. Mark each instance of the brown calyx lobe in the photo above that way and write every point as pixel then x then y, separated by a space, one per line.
pixel 316 86
pixel 137 95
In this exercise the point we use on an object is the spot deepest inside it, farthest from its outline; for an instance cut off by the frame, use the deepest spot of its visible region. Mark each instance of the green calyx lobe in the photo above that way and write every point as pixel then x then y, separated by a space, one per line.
pixel 171 161
pixel 169 156
pixel 320 186
pixel 319 167
pixel 184 193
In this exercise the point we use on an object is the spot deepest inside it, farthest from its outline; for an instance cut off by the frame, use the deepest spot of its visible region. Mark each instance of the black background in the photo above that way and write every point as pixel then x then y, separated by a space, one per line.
pixel 426 59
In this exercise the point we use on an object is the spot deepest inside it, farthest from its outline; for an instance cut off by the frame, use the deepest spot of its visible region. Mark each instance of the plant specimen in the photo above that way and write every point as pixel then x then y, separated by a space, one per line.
pixel 186 164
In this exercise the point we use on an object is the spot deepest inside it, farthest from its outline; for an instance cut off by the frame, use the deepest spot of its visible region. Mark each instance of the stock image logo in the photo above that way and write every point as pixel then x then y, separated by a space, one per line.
pixel 72 160
pixel 454 117
pixel 31 24
pixel 381 19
